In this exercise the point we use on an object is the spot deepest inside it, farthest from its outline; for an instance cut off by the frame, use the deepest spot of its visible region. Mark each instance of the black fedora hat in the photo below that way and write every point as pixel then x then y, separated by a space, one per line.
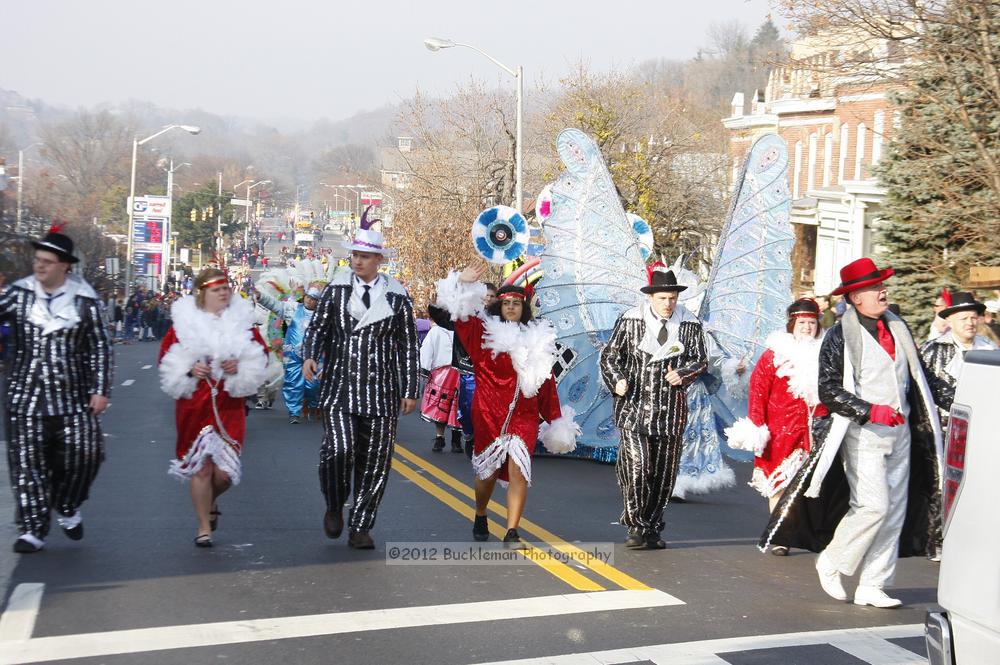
pixel 661 281
pixel 58 243
pixel 962 301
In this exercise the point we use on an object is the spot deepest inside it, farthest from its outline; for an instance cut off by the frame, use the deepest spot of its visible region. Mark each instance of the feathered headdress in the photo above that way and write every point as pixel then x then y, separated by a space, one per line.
pixel 366 223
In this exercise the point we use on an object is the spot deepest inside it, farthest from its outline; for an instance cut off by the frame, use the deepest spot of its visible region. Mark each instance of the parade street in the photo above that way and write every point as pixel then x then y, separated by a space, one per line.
pixel 275 589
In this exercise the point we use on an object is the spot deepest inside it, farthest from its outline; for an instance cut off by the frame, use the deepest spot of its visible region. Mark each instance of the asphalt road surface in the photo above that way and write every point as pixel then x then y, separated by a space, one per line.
pixel 274 589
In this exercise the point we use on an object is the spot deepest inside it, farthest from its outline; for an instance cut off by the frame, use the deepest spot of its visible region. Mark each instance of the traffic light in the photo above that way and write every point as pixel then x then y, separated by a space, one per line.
pixel 210 211
pixel 194 214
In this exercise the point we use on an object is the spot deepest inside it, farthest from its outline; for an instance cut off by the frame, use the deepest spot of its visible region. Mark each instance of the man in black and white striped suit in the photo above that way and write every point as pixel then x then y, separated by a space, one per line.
pixel 58 385
pixel 656 350
pixel 364 333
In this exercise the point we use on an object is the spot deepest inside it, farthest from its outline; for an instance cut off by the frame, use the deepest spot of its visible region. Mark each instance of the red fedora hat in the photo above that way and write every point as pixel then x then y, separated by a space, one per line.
pixel 859 274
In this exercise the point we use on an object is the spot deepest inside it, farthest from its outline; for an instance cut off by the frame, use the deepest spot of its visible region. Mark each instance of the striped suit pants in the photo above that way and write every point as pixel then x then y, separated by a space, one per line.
pixel 647 467
pixel 53 460
pixel 357 448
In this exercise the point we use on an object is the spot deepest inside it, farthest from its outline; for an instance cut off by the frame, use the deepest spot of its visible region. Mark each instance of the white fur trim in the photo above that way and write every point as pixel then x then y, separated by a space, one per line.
pixel 737 385
pixel 531 347
pixel 780 477
pixel 205 336
pixel 744 435
pixel 174 368
pixel 461 299
pixel 559 436
pixel 798 361
pixel 487 462
pixel 208 444
pixel 704 483
pixel 250 373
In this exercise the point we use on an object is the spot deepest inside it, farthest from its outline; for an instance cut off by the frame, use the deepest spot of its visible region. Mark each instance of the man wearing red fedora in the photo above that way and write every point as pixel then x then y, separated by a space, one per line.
pixel 655 352
pixel 59 383
pixel 866 495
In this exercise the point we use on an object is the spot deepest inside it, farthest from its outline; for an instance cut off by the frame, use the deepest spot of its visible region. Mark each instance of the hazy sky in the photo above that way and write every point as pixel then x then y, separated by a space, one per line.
pixel 307 59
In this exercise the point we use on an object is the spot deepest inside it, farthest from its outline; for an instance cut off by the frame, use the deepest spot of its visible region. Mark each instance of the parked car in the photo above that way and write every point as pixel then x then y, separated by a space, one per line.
pixel 965 630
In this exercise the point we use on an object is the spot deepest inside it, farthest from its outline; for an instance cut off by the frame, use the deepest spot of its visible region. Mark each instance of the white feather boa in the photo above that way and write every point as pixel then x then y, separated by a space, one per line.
pixel 531 347
pixel 203 336
pixel 460 299
pixel 559 436
pixel 798 361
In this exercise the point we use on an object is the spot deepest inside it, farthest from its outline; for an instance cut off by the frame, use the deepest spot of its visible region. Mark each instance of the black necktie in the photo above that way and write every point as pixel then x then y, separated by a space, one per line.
pixel 664 333
pixel 367 297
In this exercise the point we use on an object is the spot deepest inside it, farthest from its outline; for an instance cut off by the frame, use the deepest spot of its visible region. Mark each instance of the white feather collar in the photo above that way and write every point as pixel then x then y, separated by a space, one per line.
pixel 798 361
pixel 216 338
pixel 531 347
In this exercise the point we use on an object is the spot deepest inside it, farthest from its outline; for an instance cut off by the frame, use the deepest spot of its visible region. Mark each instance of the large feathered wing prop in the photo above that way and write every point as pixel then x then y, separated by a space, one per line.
pixel 594 266
pixel 750 283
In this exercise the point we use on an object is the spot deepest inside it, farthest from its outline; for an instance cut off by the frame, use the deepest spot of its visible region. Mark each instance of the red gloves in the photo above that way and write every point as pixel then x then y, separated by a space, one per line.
pixel 883 414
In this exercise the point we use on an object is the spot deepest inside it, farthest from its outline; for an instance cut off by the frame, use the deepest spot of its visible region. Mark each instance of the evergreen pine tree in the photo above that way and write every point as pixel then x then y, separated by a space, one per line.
pixel 942 213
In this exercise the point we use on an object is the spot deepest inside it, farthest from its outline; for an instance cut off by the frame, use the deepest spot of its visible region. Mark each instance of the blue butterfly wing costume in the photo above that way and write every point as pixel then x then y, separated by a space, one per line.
pixel 594 266
pixel 744 301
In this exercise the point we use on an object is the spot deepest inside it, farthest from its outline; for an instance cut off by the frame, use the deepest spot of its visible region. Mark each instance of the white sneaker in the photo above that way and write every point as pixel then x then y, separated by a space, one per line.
pixel 874 596
pixel 829 578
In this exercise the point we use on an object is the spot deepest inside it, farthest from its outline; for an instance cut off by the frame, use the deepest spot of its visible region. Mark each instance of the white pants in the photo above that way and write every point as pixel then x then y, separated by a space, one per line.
pixel 868 536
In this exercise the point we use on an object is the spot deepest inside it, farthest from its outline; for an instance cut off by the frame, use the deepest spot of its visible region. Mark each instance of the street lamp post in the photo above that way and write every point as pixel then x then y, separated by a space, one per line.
pixel 435 44
pixel 190 129
pixel 20 183
pixel 169 231
pixel 246 228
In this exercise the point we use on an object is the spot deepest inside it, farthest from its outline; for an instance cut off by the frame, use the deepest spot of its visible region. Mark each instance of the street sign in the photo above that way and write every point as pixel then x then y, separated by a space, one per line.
pixel 240 202
pixel 111 266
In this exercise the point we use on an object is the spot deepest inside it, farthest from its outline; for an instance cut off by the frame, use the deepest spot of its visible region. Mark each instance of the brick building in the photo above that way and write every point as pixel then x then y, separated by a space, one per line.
pixel 835 128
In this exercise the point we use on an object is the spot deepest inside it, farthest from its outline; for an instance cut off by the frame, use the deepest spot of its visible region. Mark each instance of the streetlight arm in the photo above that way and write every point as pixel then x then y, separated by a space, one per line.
pixel 187 128
pixel 489 57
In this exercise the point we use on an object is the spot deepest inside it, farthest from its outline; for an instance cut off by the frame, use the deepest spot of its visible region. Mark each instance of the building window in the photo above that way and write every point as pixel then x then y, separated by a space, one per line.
pixel 859 155
pixel 827 159
pixel 878 132
pixel 844 140
pixel 811 174
pixel 797 169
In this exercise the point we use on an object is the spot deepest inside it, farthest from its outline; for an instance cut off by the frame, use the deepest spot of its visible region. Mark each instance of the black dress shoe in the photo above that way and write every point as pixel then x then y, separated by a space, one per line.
pixel 22 546
pixel 481 528
pixel 654 542
pixel 438 444
pixel 635 540
pixel 512 540
pixel 204 540
pixel 72 525
pixel 360 540
pixel 677 499
pixel 333 524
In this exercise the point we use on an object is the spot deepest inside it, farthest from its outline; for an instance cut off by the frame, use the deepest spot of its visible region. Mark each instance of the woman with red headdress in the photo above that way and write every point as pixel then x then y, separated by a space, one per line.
pixel 512 356
pixel 210 360
pixel 783 401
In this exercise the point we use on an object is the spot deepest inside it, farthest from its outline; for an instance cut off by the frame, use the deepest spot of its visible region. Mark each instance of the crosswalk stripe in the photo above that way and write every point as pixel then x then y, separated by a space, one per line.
pixel 141 640
pixel 606 571
pixel 867 644
pixel 18 620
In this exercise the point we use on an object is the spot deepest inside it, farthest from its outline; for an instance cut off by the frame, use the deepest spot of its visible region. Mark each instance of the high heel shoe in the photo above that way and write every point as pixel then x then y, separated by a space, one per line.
pixel 204 540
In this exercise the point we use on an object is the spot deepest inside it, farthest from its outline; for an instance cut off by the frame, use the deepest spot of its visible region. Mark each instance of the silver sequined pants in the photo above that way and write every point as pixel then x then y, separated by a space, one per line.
pixel 53 461
pixel 647 468
pixel 868 536
pixel 358 447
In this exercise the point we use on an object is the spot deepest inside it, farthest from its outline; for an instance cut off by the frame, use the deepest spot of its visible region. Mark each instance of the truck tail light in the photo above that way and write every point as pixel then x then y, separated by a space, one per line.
pixel 954 468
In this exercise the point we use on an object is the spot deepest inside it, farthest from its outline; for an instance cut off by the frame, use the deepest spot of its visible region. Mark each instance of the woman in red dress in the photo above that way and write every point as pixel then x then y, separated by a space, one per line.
pixel 783 402
pixel 512 357
pixel 210 360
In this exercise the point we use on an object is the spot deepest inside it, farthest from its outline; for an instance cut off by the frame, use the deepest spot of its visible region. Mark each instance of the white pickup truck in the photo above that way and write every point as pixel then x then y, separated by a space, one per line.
pixel 965 630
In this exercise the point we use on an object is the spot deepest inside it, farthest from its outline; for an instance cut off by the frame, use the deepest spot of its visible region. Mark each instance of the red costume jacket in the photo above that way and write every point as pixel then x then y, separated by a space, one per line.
pixel 773 403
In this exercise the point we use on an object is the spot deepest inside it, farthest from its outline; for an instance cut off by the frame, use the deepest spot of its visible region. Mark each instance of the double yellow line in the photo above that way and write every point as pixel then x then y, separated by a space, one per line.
pixel 404 458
